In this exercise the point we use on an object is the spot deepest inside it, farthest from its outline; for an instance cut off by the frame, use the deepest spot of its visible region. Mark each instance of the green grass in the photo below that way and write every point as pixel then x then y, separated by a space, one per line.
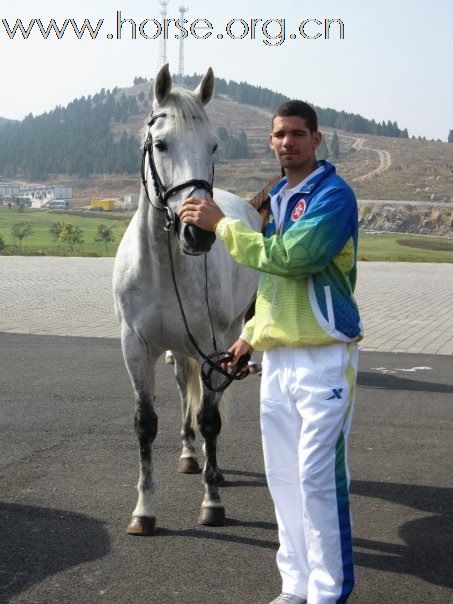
pixel 41 243
pixel 390 247
pixel 398 247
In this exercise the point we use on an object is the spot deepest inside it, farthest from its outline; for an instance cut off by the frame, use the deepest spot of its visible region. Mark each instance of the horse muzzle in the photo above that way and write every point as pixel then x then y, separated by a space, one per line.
pixel 195 241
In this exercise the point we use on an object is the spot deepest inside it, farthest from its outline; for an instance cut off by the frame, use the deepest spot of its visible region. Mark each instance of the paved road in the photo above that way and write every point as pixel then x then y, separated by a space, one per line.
pixel 69 465
pixel 405 307
pixel 69 456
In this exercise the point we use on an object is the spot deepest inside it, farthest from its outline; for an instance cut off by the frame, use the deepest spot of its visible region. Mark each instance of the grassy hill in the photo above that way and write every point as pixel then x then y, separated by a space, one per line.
pixel 377 167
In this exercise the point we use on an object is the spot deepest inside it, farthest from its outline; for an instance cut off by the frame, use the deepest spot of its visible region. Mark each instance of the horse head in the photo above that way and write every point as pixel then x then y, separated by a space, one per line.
pixel 182 146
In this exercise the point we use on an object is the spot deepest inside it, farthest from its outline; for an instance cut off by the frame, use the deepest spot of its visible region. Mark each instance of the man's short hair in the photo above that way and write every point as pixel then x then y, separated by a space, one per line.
pixel 299 109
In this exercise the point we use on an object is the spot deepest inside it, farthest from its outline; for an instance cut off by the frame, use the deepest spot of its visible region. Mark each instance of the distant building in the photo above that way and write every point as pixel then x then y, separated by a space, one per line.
pixel 46 193
pixel 9 189
pixel 129 203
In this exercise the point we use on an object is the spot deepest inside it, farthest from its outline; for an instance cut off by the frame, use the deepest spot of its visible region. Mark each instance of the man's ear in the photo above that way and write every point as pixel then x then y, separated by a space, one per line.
pixel 271 144
pixel 317 138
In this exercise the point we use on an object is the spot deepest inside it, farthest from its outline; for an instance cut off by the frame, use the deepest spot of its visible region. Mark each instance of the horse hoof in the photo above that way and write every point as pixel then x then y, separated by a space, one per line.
pixel 142 526
pixel 212 516
pixel 188 465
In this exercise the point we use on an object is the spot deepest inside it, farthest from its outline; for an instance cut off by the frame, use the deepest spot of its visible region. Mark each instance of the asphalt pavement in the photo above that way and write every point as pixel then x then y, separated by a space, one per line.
pixel 69 465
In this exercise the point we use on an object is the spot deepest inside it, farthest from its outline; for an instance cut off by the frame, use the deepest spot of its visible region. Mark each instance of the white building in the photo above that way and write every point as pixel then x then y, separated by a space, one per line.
pixel 130 202
pixel 8 190
pixel 46 193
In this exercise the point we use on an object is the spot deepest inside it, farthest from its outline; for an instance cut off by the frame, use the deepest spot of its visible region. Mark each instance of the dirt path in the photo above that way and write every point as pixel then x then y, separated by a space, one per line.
pixel 385 159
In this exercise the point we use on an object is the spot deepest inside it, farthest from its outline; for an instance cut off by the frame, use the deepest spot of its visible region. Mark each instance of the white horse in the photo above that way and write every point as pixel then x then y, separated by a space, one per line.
pixel 178 162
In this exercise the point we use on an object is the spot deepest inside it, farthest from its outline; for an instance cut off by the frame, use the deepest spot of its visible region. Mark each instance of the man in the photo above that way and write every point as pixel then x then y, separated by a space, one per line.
pixel 308 325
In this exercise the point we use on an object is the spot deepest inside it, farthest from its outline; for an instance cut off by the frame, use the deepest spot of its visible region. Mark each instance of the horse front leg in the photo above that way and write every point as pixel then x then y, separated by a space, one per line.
pixel 209 421
pixel 188 380
pixel 140 364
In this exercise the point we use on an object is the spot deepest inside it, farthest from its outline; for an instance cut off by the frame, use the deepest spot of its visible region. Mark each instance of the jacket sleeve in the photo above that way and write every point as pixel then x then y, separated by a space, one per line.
pixel 305 248
pixel 247 330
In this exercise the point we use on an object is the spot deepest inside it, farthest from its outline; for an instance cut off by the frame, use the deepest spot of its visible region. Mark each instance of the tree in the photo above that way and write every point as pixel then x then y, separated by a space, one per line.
pixel 450 136
pixel 20 231
pixel 105 236
pixel 323 151
pixel 55 231
pixel 223 135
pixel 71 235
pixel 335 145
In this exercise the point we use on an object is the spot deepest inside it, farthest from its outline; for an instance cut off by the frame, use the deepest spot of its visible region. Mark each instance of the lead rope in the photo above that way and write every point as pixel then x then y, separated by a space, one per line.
pixel 215 360
pixel 206 297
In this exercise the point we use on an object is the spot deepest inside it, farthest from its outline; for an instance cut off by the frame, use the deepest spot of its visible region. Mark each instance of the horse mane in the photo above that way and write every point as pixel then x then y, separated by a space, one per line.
pixel 262 197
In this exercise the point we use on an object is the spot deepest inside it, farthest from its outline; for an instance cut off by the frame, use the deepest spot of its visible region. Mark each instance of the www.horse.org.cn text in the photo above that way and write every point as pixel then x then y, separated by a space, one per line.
pixel 271 32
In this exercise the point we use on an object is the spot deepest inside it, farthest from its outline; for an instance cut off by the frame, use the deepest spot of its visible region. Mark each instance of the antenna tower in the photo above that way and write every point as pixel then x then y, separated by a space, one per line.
pixel 182 10
pixel 163 41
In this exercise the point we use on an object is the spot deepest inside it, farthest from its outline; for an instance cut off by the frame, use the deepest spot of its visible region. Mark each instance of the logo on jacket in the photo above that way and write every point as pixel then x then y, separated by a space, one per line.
pixel 299 210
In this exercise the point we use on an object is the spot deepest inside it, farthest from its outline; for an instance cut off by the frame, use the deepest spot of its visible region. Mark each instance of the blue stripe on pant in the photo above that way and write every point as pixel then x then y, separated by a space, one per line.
pixel 344 519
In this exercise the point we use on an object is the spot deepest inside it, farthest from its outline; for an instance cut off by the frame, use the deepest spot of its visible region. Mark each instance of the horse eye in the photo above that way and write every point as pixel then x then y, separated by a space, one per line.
pixel 215 148
pixel 160 145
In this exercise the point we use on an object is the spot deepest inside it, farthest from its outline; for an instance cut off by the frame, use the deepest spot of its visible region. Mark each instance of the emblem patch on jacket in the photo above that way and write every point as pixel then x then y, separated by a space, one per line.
pixel 299 210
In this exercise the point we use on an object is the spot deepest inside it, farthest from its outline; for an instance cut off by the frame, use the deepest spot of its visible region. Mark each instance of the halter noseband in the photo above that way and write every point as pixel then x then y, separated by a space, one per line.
pixel 163 193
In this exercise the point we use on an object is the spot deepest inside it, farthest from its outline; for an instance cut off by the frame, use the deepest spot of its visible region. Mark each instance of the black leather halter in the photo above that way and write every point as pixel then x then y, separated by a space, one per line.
pixel 162 192
pixel 212 362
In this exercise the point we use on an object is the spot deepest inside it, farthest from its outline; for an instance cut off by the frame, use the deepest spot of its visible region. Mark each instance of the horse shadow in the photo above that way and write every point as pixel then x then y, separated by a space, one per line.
pixel 259 482
pixel 38 542
pixel 428 541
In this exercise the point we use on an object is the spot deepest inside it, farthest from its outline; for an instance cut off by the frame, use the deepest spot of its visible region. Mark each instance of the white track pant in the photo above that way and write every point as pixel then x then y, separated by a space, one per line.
pixel 307 397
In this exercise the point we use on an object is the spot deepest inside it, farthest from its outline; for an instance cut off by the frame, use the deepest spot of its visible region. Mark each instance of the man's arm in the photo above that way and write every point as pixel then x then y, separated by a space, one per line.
pixel 305 248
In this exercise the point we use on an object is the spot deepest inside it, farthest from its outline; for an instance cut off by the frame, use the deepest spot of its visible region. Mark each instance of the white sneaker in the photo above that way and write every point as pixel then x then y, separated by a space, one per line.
pixel 286 598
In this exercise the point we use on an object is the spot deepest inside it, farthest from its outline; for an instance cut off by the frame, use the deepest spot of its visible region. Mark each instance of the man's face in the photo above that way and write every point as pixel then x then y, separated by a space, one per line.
pixel 293 143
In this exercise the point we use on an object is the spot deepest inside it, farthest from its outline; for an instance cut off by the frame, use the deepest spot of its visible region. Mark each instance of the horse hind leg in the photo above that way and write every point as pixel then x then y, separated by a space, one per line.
pixel 209 421
pixel 188 380
pixel 140 365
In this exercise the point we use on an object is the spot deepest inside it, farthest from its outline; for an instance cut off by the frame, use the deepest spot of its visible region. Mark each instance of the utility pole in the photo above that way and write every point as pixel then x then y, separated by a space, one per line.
pixel 182 11
pixel 163 41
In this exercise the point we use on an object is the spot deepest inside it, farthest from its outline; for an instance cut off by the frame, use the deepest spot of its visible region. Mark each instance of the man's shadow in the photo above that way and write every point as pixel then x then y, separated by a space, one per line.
pixel 38 542
pixel 428 541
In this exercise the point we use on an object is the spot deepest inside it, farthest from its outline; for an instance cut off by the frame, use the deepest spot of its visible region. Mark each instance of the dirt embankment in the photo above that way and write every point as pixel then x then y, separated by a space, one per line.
pixel 407 217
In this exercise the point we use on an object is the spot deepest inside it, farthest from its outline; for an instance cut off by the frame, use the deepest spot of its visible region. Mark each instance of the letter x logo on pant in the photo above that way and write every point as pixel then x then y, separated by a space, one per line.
pixel 336 393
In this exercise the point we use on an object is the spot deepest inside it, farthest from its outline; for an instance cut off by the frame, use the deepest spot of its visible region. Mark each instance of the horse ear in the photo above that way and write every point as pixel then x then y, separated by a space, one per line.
pixel 162 84
pixel 205 89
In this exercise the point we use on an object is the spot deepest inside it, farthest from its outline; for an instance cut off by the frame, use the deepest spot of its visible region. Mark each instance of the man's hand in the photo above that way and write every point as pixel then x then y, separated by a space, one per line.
pixel 239 348
pixel 204 214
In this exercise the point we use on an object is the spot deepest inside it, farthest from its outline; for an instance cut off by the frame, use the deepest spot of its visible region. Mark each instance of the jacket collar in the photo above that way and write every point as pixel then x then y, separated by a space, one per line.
pixel 311 184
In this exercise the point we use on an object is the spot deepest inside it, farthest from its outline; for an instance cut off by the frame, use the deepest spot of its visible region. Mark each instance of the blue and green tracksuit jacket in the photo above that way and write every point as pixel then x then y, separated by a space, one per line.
pixel 305 292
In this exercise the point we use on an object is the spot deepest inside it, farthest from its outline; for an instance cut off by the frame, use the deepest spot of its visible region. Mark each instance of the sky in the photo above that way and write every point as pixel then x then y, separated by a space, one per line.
pixel 394 61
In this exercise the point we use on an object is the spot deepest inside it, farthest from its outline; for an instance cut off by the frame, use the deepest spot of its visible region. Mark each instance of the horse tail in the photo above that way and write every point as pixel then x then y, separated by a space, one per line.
pixel 194 394
pixel 193 390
